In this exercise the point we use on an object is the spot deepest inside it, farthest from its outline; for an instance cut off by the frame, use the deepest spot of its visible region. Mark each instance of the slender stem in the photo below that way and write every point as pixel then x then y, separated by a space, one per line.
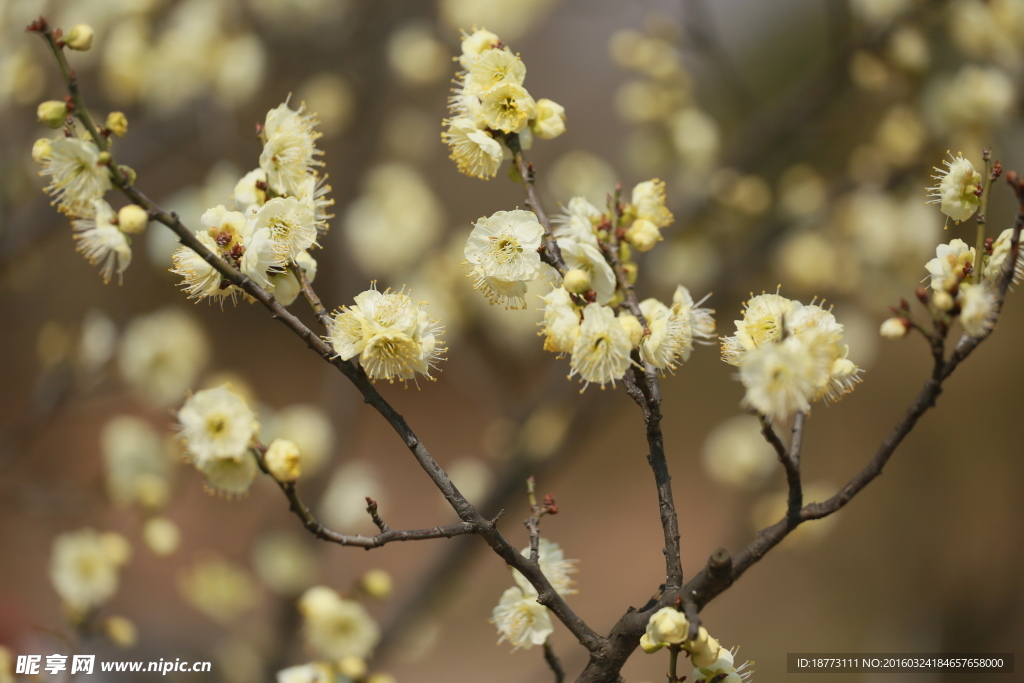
pixel 553 661
pixel 311 297
pixel 673 660
pixel 981 218
pixel 549 253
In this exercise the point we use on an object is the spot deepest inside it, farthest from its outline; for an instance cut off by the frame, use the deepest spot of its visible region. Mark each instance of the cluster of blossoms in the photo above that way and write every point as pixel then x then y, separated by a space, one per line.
pixel 84 568
pixel 392 335
pixel 580 317
pixel 670 627
pixel 280 209
pixel 489 103
pixel 789 355
pixel 520 619
pixel 79 177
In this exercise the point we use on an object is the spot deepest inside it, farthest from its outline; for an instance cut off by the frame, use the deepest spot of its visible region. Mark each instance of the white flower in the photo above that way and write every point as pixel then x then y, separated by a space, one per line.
pixel 334 627
pixel 473 45
pixel 507 107
pixel 314 193
pixel 723 670
pixel 474 151
pixel 553 565
pixel 550 121
pixel 1000 252
pixel 561 321
pixel 578 221
pixel 702 320
pixel 648 202
pixel 77 178
pixel 134 462
pixel 643 235
pixel 247 191
pixel 229 477
pixel 583 256
pixel 780 378
pixel 959 189
pixel 670 335
pixel 285 285
pixel 289 155
pixel 493 68
pixel 201 280
pixel 763 317
pixel 217 424
pixel 735 454
pixel 521 620
pixel 950 264
pixel 511 295
pixel 83 569
pixel 291 223
pixel 392 335
pixel 227 228
pixel 601 351
pixel 101 242
pixel 894 328
pixel 505 245
pixel 667 626
pixel 262 254
pixel 977 309
pixel 162 354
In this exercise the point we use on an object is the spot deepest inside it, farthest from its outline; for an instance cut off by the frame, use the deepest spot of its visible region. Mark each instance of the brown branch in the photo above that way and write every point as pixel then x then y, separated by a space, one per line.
pixel 553 661
pixel 311 297
pixel 549 251
pixel 485 528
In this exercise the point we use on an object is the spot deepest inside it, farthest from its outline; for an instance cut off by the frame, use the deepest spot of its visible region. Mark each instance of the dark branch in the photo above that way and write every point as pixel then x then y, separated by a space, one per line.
pixel 553 661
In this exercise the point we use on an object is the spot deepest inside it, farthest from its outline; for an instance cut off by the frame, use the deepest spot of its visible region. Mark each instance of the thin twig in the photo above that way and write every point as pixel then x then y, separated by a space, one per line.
pixel 553 661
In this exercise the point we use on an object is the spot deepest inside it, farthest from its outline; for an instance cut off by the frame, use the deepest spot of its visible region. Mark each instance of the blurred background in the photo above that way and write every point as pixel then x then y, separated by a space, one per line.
pixel 795 137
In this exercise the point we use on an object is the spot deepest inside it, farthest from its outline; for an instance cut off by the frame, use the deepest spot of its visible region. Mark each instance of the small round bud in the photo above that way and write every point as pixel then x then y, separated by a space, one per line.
pixel 550 121
pixel 643 234
pixel 161 536
pixel 117 123
pixel 128 172
pixel 632 271
pixel 894 328
pixel 708 655
pixel 352 667
pixel 668 625
pixel 79 37
pixel 577 281
pixel 284 460
pixel 648 646
pixel 377 584
pixel 41 150
pixel 634 330
pixel 132 219
pixel 625 252
pixel 943 301
pixel 120 631
pixel 104 158
pixel 52 113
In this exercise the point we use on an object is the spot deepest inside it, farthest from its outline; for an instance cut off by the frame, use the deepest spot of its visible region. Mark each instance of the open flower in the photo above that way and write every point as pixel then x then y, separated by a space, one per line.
pixel 101 242
pixel 601 351
pixel 521 620
pixel 585 257
pixel 289 155
pixel 556 569
pixel 474 151
pixel 507 107
pixel 958 192
pixel 216 424
pixel 77 178
pixel 504 245
pixel 336 628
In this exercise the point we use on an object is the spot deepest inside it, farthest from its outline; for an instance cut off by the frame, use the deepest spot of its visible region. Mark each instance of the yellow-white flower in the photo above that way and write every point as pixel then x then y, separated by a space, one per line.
pixel 977 308
pixel 201 280
pixel 505 245
pixel 601 351
pixel 702 320
pixel 134 462
pixel 521 620
pixel 507 107
pixel 723 670
pixel 585 257
pixel 780 378
pixel 314 193
pixel 162 354
pixel 556 569
pixel 83 569
pixel 229 477
pixel 475 44
pixel 101 242
pixel 291 223
pixel 77 178
pixel 511 295
pixel 474 151
pixel 550 120
pixel 958 192
pixel 335 628
pixel 289 155
pixel 392 335
pixel 670 337
pixel 1000 252
pixel 952 263
pixel 578 221
pixel 643 234
pixel 492 68
pixel 648 203
pixel 763 318
pixel 667 626
pixel 561 321
pixel 248 192
pixel 285 285
pixel 263 255
pixel 217 424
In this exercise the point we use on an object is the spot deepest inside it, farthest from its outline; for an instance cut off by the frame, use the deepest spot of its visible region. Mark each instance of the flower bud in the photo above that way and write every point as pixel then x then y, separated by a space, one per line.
pixel 128 172
pixel 79 37
pixel 352 667
pixel 377 584
pixel 41 150
pixel 132 219
pixel 117 123
pixel 943 301
pixel 708 655
pixel 894 328
pixel 550 121
pixel 120 631
pixel 668 625
pixel 284 460
pixel 648 646
pixel 643 234
pixel 52 113
pixel 577 281
pixel 103 158
pixel 632 271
